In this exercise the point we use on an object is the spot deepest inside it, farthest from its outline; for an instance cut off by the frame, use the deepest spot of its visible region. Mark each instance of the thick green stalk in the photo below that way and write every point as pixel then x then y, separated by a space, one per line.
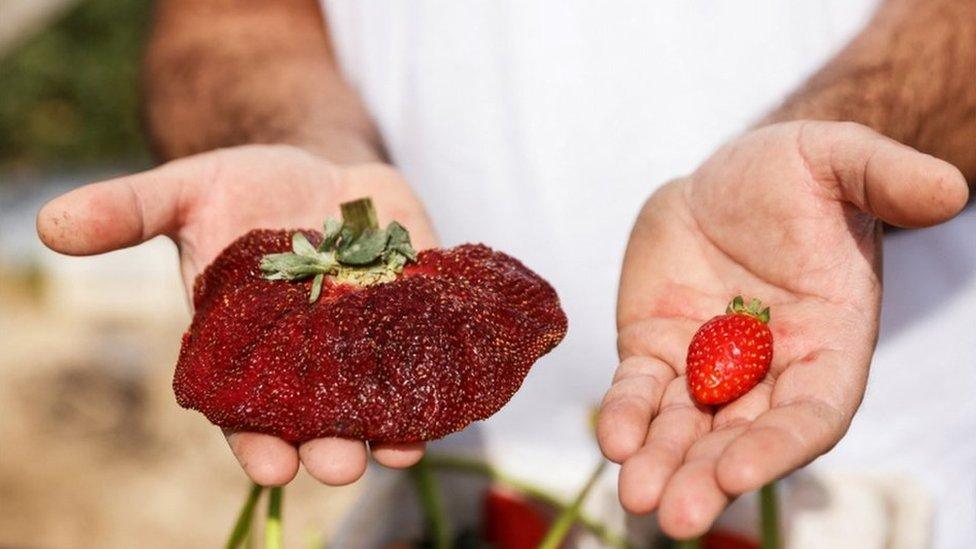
pixel 430 500
pixel 693 543
pixel 481 468
pixel 273 533
pixel 569 515
pixel 242 527
pixel 360 214
pixel 769 514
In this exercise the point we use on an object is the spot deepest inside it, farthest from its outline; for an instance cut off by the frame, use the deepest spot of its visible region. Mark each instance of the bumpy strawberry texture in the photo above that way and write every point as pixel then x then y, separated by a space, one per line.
pixel 415 356
pixel 730 354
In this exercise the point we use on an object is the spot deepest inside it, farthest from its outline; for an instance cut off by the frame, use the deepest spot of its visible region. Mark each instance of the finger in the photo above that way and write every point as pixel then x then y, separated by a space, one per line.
pixel 783 439
pixel 692 498
pixel 812 405
pixel 664 338
pixel 334 461
pixel 267 460
pixel 678 425
pixel 118 213
pixel 629 405
pixel 896 183
pixel 746 408
pixel 397 455
pixel 653 350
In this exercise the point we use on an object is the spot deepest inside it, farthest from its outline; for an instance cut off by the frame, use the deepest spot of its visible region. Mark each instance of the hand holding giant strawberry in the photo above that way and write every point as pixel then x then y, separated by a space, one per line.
pixel 207 201
pixel 791 213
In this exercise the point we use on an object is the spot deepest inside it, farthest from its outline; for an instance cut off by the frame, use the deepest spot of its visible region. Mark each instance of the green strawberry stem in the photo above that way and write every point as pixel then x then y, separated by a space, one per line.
pixel 693 543
pixel 754 309
pixel 242 526
pixel 359 214
pixel 273 533
pixel 607 537
pixel 560 528
pixel 430 499
pixel 354 251
pixel 769 514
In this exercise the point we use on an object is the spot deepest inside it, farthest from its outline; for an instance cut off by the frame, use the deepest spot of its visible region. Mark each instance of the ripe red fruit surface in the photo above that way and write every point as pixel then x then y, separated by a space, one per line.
pixel 446 343
pixel 511 521
pixel 718 539
pixel 730 354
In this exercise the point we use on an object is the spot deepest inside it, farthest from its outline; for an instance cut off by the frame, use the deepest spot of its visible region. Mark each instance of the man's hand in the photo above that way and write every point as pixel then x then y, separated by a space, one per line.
pixel 789 214
pixel 203 203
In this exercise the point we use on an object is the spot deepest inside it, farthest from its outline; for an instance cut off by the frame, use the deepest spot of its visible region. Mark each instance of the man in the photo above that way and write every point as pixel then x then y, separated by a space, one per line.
pixel 539 128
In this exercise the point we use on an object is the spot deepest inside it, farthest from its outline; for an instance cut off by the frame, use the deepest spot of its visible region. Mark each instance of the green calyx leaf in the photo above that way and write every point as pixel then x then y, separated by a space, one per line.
pixel 331 231
pixel 313 296
pixel 353 251
pixel 754 309
pixel 296 266
pixel 364 248
pixel 399 243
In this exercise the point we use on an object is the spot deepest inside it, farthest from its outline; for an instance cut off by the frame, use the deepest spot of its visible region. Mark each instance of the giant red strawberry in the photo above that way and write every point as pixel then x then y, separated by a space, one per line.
pixel 730 353
pixel 351 333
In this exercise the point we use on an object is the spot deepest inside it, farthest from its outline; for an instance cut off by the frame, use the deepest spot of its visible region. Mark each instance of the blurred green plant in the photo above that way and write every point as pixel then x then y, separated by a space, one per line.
pixel 68 95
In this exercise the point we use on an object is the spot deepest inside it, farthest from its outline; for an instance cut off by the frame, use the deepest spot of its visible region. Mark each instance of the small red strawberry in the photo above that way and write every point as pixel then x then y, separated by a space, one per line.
pixel 730 354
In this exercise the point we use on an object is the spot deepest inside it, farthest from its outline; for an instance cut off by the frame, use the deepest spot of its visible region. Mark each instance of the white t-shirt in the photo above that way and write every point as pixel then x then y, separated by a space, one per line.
pixel 541 127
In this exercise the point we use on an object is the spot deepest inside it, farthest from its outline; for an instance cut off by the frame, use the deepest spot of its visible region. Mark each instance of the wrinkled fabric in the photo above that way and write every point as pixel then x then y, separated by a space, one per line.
pixel 541 127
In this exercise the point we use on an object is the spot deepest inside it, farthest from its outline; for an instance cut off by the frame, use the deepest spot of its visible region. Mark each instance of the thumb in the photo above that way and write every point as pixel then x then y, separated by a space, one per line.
pixel 880 176
pixel 121 212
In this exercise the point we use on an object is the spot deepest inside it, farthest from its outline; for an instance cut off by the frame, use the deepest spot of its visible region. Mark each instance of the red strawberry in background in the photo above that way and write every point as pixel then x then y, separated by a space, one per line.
pixel 718 539
pixel 511 521
pixel 352 333
pixel 730 353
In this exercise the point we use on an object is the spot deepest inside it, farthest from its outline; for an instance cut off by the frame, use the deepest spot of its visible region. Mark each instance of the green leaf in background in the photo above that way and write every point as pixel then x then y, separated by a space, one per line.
pixel 68 95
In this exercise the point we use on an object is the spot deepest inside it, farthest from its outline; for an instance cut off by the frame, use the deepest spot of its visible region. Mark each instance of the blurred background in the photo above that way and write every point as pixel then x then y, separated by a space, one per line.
pixel 94 451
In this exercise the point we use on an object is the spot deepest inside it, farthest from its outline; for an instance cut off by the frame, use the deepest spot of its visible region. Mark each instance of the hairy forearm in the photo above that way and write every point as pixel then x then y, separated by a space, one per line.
pixel 220 73
pixel 909 75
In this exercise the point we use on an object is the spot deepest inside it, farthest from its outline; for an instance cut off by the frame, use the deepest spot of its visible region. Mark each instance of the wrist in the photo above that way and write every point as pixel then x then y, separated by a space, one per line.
pixel 344 146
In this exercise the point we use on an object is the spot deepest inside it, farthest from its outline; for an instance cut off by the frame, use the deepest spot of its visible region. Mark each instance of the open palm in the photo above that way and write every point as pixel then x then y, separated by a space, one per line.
pixel 204 203
pixel 790 214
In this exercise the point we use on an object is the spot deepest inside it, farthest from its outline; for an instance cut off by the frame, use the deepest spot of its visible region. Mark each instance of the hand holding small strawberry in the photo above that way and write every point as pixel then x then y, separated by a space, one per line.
pixel 792 213
pixel 205 202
